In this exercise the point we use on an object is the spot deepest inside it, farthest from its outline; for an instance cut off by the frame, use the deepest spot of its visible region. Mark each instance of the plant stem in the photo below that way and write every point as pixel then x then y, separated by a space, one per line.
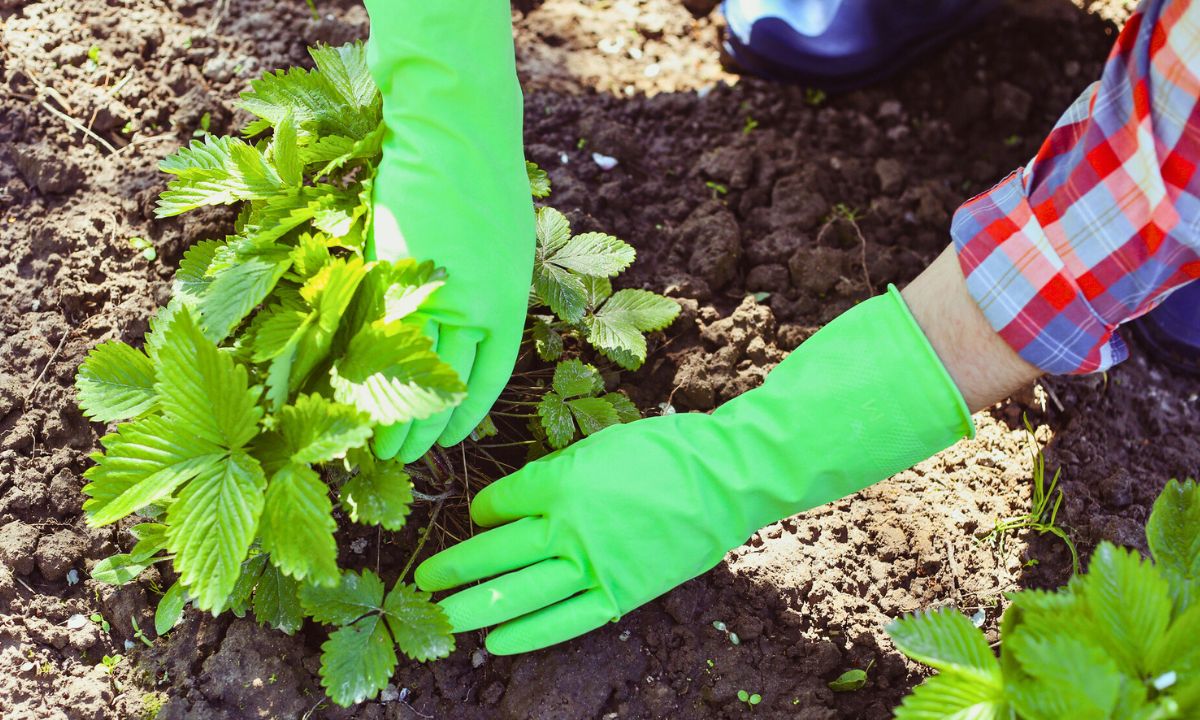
pixel 424 537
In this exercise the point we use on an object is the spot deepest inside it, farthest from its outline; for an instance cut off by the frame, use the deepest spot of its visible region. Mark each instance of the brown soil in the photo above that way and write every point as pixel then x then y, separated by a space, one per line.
pixel 808 597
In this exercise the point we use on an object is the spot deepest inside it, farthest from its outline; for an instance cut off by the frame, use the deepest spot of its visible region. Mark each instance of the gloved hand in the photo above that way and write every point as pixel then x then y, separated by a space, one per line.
pixel 452 188
pixel 623 516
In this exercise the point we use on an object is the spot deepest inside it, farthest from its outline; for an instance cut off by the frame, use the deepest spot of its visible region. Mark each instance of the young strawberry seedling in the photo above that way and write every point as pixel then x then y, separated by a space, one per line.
pixel 248 412
pixel 1118 642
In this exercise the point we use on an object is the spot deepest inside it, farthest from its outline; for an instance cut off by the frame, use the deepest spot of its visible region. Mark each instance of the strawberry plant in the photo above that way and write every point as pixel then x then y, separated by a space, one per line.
pixel 244 420
pixel 1118 642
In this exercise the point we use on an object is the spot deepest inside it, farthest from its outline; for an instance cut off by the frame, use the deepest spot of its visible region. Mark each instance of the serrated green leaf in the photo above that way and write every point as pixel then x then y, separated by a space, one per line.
pixel 332 289
pixel 951 696
pixel 617 338
pixel 616 328
pixel 212 524
pixel 420 628
pixel 215 171
pixel 546 340
pixel 412 284
pixel 380 494
pixel 593 253
pixel 328 148
pixel 1064 678
pixel 390 373
pixel 280 376
pixel 553 230
pixel 202 391
pixel 946 640
pixel 118 569
pixel 286 152
pixel 539 181
pixel 573 378
pixel 317 430
pixel 192 278
pixel 627 412
pixel 1131 601
pixel 159 322
pixel 276 327
pixel 597 289
pixel 593 414
pixel 357 661
pixel 1178 651
pixel 236 291
pixel 252 570
pixel 277 601
pixel 354 596
pixel 144 461
pixel 560 290
pixel 345 68
pixel 556 420
pixel 1173 533
pixel 115 382
pixel 309 256
pixel 152 539
pixel 317 105
pixel 170 609
pixel 297 525
pixel 643 309
pixel 337 214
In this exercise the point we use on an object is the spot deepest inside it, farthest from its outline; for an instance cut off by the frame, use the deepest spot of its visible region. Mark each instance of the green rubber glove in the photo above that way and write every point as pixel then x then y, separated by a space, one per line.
pixel 452 188
pixel 623 516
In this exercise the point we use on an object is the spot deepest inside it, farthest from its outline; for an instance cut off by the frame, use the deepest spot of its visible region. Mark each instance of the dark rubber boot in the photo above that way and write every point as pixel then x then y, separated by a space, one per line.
pixel 839 45
pixel 1171 332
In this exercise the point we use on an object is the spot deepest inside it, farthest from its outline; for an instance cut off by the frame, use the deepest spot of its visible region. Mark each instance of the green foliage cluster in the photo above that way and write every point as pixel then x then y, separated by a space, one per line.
pixel 1119 642
pixel 247 415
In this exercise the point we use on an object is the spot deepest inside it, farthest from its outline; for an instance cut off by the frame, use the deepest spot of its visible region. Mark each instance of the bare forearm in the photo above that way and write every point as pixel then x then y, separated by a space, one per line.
pixel 982 364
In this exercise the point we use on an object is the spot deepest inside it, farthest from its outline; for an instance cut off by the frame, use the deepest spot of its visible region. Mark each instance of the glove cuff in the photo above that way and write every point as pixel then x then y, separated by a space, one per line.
pixel 859 401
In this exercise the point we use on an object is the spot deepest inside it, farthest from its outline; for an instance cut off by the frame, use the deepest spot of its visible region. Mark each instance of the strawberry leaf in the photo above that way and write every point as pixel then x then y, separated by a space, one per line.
pixel 556 420
pixel 421 628
pixel 391 373
pixel 573 378
pixel 211 526
pixel 380 494
pixel 202 391
pixel 116 382
pixel 357 660
pixel 297 525
pixel 317 430
pixel 277 601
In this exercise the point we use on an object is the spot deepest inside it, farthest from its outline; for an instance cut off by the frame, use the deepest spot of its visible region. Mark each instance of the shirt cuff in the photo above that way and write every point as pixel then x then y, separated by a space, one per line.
pixel 1024 289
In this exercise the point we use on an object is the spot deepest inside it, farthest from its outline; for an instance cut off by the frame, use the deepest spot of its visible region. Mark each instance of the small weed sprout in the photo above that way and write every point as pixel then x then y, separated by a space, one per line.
pixel 99 620
pixel 1043 515
pixel 749 125
pixel 814 96
pixel 851 680
pixel 717 188
pixel 751 699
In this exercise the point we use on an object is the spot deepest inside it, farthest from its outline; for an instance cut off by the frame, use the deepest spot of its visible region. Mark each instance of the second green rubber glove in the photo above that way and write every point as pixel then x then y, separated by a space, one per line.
pixel 619 518
pixel 452 188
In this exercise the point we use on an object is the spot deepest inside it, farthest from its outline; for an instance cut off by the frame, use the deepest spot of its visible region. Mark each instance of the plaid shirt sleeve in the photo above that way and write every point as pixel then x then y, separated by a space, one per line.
pixel 1104 222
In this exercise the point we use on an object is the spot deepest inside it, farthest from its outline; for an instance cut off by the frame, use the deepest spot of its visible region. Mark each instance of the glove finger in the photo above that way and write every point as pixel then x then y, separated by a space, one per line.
pixel 494 363
pixel 456 348
pixel 513 595
pixel 504 549
pixel 512 497
pixel 388 440
pixel 562 621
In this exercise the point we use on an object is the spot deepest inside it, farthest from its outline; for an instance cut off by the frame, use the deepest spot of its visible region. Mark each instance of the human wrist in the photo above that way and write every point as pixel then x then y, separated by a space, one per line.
pixel 984 367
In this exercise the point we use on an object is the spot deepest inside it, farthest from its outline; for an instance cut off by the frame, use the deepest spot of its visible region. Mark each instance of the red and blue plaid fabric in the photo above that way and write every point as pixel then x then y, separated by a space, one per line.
pixel 1105 221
